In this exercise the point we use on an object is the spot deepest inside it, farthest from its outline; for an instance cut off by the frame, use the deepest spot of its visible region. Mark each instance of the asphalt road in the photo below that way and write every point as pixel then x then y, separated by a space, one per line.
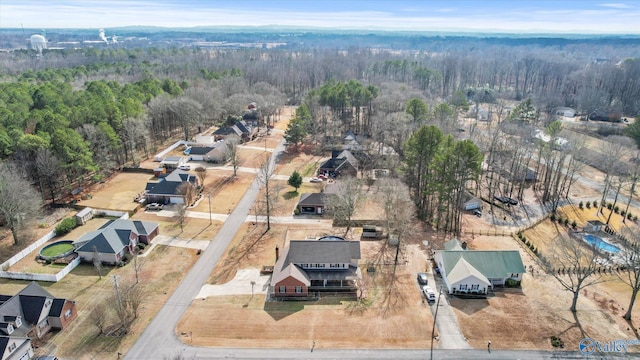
pixel 159 339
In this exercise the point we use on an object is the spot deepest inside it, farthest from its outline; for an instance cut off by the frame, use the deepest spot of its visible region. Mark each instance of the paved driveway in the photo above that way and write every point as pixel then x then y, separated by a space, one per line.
pixel 239 285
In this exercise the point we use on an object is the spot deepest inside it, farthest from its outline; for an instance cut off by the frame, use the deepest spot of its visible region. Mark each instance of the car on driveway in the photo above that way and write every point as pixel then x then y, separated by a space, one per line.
pixel 506 200
pixel 429 293
pixel 154 207
pixel 477 213
pixel 315 180
pixel 422 278
pixel 184 167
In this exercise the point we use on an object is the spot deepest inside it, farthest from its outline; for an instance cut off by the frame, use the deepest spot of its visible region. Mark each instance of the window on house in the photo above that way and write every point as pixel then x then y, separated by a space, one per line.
pixel 299 289
pixel 12 346
pixel 475 287
pixel 463 287
pixel 283 289
pixel 67 314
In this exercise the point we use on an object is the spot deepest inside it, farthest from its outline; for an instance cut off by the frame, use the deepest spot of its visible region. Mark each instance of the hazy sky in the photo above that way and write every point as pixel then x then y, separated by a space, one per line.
pixel 540 16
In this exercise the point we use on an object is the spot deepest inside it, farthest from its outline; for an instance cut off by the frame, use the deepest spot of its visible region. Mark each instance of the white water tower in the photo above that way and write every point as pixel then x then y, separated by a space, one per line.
pixel 38 42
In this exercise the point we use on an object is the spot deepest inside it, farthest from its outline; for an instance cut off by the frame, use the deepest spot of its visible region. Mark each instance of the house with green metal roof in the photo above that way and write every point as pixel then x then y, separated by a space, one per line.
pixel 477 271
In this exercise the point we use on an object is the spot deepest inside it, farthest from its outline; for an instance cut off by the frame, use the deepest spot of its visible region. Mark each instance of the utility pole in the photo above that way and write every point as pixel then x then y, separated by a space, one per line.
pixel 115 283
pixel 435 316
pixel 209 197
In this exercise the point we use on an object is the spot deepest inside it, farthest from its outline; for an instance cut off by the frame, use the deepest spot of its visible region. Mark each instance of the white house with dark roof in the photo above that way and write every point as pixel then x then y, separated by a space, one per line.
pixel 477 271
pixel 111 242
pixel 166 189
pixel 33 312
pixel 197 153
pixel 329 263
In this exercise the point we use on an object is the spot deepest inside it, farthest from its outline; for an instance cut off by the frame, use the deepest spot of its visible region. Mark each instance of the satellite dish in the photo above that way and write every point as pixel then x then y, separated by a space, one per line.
pixel 38 42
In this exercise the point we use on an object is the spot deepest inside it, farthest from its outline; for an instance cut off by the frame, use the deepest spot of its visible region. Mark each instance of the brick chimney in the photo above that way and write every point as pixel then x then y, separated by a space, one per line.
pixel 277 253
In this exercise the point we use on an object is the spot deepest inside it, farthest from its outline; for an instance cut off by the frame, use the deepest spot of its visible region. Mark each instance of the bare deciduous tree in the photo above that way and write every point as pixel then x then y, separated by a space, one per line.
pixel 575 265
pixel 231 152
pixel 201 173
pixel 97 263
pixel 99 315
pixel 343 202
pixel 19 202
pixel 188 191
pixel 49 169
pixel 267 168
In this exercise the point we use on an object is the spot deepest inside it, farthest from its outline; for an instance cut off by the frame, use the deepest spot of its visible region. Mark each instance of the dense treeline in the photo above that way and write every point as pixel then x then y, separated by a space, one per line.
pixel 62 124
pixel 71 113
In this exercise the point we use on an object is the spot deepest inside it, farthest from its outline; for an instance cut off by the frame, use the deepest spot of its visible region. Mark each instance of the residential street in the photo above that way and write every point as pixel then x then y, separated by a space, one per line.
pixel 159 340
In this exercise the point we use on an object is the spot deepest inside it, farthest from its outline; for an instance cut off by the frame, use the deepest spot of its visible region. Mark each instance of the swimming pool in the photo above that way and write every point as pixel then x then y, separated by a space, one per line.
pixel 600 244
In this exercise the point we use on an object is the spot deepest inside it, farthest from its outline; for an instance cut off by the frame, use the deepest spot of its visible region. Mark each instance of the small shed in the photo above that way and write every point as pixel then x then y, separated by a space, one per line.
pixel 84 215
pixel 594 226
pixel 566 112
pixel 470 202
pixel 159 171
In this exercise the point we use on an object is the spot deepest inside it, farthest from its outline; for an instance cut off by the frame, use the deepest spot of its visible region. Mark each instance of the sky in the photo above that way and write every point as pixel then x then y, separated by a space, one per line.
pixel 511 16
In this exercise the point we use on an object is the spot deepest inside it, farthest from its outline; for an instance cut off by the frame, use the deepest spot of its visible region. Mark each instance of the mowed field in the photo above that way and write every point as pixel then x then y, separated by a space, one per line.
pixel 118 192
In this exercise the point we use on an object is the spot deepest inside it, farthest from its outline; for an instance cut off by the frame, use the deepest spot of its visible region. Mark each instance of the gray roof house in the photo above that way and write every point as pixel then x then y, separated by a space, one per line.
pixel 329 263
pixel 342 162
pixel 33 312
pixel 477 271
pixel 111 242
pixel 166 189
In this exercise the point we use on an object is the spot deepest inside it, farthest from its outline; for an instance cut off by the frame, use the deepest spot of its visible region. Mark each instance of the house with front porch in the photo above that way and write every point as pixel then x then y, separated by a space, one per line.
pixel 329 263
pixel 477 272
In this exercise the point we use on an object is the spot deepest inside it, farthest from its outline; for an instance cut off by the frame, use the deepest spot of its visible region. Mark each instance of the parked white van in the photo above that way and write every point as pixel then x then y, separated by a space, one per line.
pixel 429 293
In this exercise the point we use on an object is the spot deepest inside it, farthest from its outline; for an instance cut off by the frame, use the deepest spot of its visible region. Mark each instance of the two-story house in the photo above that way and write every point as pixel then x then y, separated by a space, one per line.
pixel 329 263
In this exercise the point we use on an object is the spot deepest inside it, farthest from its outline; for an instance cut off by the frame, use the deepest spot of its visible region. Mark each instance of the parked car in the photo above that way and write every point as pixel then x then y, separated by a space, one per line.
pixel 506 200
pixel 422 278
pixel 154 206
pixel 315 180
pixel 184 167
pixel 477 213
pixel 429 293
